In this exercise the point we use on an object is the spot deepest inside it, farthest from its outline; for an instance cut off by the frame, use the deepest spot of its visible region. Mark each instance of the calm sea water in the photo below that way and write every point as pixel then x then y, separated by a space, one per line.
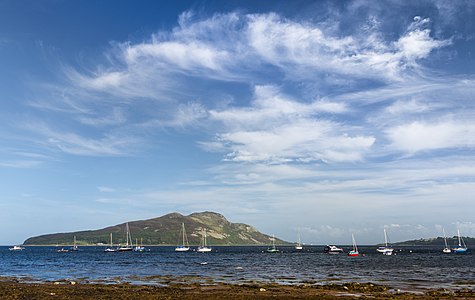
pixel 411 268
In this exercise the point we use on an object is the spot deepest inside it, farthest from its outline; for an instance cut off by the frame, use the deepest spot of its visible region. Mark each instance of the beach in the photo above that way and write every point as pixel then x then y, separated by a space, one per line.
pixel 11 288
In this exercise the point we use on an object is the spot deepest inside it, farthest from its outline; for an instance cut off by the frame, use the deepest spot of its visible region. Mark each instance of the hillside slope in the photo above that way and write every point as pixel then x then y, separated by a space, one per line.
pixel 165 230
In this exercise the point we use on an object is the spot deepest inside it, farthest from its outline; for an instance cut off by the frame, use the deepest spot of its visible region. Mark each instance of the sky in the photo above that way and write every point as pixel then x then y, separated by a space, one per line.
pixel 324 117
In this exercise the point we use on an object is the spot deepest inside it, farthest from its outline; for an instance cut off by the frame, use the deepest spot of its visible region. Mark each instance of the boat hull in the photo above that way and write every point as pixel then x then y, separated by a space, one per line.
pixel 204 249
pixel 16 248
pixel 124 249
pixel 385 250
pixel 182 249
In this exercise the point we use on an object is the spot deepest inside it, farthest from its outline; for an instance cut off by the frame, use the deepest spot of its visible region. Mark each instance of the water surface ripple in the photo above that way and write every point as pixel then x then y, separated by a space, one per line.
pixel 411 268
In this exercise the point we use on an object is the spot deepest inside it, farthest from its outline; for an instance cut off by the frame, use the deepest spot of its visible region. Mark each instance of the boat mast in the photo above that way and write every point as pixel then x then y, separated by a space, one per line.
pixel 183 229
pixel 385 238
pixel 445 238
pixel 127 234
pixel 461 241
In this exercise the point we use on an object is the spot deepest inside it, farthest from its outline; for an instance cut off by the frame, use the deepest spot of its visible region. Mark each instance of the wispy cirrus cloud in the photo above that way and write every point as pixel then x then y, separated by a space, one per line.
pixel 161 74
pixel 221 47
pixel 21 164
pixel 159 78
pixel 283 43
pixel 72 143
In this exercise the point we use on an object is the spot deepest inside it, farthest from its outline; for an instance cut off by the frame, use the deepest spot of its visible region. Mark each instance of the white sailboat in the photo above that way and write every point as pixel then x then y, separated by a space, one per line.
pixel 354 251
pixel 128 238
pixel 386 250
pixel 74 247
pixel 461 248
pixel 138 248
pixel 204 245
pixel 272 249
pixel 299 245
pixel 111 246
pixel 446 249
pixel 184 243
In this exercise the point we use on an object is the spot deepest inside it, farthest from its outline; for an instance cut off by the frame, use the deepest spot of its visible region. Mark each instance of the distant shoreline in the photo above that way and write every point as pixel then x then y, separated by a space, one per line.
pixel 162 245
pixel 402 245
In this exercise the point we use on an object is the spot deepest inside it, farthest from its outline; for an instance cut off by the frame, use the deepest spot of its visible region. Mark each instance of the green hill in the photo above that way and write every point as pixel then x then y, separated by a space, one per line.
pixel 438 241
pixel 165 230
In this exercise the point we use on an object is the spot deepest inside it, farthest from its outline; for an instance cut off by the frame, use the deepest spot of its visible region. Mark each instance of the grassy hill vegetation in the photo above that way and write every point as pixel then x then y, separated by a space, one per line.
pixel 165 230
pixel 438 241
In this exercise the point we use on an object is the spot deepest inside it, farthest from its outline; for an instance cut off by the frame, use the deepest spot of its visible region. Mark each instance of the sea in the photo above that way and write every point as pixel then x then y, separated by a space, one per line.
pixel 409 269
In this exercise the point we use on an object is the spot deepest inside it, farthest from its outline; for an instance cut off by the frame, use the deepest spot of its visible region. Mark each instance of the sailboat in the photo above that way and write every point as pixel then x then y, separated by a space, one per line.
pixel 386 250
pixel 184 244
pixel 299 245
pixel 354 251
pixel 111 247
pixel 272 249
pixel 446 249
pixel 203 246
pixel 461 248
pixel 74 247
pixel 138 248
pixel 128 238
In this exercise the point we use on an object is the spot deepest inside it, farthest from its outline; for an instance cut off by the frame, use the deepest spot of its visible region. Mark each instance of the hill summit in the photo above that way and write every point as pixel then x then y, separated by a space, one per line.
pixel 165 230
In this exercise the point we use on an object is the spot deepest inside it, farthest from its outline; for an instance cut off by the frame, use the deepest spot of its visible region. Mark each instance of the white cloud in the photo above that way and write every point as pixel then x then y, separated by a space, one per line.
pixel 188 114
pixel 330 107
pixel 417 43
pixel 238 47
pixel 185 56
pixel 277 129
pixel 288 142
pixel 420 136
pixel 290 45
pixel 105 189
pixel 412 106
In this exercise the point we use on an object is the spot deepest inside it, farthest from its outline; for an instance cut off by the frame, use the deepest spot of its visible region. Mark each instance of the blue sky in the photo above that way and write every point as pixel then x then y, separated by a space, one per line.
pixel 331 117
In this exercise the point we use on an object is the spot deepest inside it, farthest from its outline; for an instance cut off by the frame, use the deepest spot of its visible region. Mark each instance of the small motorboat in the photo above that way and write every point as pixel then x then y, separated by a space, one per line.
pixel 331 249
pixel 16 248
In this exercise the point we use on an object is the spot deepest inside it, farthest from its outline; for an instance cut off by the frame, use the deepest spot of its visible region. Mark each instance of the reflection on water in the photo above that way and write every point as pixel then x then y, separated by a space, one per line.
pixel 410 268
